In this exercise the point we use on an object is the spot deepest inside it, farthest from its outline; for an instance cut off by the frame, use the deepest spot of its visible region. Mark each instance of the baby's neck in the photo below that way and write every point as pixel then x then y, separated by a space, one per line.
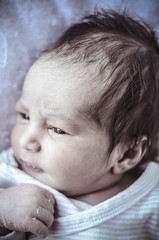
pixel 97 197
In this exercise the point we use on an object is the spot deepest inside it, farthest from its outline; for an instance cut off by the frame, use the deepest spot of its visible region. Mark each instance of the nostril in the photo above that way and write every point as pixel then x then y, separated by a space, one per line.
pixel 33 146
pixel 38 148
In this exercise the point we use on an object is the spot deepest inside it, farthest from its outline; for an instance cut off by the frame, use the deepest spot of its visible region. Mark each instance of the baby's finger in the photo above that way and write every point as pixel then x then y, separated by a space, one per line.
pixel 50 197
pixel 49 203
pixel 38 228
pixel 44 216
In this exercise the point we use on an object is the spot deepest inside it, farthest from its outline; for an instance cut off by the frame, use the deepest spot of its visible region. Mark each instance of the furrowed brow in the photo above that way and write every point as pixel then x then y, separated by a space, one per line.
pixel 60 116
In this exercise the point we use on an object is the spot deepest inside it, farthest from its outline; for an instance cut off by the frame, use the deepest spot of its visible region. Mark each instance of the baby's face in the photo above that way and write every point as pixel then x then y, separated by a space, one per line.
pixel 53 140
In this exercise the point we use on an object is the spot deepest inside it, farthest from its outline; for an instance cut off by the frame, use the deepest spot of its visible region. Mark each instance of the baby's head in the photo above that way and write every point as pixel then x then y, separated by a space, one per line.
pixel 88 105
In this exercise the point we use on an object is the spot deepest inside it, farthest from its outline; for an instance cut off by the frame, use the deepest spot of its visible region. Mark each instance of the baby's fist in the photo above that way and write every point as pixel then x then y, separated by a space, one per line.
pixel 27 208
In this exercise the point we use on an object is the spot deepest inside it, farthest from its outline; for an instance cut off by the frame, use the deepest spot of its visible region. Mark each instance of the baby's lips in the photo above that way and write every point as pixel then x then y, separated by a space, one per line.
pixel 30 166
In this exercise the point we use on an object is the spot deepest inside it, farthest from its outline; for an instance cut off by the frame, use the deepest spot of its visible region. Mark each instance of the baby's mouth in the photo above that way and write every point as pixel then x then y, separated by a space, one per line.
pixel 29 166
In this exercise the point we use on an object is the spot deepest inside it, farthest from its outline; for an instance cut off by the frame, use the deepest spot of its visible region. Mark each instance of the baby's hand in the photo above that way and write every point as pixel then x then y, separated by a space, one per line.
pixel 27 208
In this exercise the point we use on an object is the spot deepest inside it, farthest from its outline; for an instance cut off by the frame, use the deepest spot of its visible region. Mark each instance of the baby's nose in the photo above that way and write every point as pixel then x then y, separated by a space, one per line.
pixel 30 140
pixel 33 146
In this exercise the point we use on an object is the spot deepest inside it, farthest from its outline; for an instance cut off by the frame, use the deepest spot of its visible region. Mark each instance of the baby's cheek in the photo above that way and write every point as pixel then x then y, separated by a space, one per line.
pixel 13 136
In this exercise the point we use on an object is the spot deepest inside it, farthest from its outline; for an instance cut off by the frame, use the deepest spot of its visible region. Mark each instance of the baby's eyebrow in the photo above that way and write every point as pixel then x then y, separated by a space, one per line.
pixel 57 115
pixel 21 104
pixel 73 123
pixel 54 114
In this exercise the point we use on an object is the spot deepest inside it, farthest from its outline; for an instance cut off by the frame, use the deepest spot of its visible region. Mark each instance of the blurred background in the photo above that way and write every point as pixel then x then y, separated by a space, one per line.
pixel 28 27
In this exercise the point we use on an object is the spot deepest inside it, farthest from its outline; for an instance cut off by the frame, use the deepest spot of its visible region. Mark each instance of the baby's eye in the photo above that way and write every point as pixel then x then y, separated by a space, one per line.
pixel 24 116
pixel 56 130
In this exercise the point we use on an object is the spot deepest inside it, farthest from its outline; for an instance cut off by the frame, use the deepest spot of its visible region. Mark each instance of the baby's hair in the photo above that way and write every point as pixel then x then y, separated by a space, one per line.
pixel 129 49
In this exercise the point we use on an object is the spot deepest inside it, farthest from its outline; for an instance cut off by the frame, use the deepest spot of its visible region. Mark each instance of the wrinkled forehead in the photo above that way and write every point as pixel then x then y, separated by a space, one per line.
pixel 63 80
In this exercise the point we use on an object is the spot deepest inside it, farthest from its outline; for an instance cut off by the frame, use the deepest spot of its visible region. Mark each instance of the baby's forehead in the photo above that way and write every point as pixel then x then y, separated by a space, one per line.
pixel 74 89
pixel 66 80
pixel 76 76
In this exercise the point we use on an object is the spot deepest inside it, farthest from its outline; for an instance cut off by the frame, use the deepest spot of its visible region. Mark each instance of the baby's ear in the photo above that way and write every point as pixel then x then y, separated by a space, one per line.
pixel 127 157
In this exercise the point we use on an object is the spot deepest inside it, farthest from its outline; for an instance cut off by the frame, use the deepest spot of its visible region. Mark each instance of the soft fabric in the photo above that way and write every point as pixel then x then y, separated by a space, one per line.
pixel 130 215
